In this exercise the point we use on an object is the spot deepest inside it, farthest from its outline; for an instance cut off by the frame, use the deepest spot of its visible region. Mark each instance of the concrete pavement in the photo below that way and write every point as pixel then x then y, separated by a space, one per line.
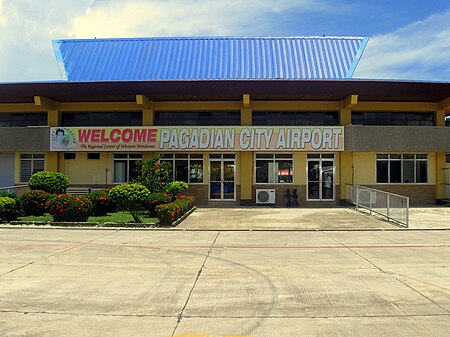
pixel 247 283
pixel 307 218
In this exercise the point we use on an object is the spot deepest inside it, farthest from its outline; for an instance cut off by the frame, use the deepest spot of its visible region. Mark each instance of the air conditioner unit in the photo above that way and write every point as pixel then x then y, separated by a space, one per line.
pixel 367 198
pixel 265 196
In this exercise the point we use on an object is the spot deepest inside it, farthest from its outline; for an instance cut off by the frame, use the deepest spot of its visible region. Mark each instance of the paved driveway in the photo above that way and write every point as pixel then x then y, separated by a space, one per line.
pixel 307 218
pixel 249 283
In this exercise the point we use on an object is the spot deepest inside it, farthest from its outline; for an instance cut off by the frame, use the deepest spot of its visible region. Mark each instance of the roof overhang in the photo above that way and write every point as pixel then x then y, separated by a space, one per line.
pixel 311 90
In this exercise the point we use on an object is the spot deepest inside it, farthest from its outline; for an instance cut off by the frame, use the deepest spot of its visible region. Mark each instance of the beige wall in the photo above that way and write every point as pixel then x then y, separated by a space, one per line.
pixel 82 171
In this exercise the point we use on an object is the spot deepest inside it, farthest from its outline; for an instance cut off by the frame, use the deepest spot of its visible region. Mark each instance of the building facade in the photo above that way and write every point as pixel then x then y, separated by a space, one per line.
pixel 232 139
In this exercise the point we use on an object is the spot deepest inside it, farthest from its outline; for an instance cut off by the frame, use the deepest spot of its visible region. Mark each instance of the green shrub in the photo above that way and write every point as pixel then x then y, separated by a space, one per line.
pixel 176 187
pixel 8 209
pixel 168 213
pixel 155 199
pixel 101 203
pixel 50 182
pixel 131 197
pixel 68 207
pixel 34 202
pixel 7 194
pixel 154 173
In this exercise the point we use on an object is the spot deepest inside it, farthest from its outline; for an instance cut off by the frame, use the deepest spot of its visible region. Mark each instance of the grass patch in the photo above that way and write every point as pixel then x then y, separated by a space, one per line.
pixel 121 217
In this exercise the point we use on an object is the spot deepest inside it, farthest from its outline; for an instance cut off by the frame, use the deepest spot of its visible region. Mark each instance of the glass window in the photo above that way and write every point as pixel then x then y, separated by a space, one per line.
pixel 295 118
pixel 93 156
pixel 402 168
pixel 393 118
pixel 447 158
pixel 197 118
pixel 274 169
pixel 30 164
pixel 102 118
pixel 187 167
pixel 23 119
pixel 125 167
pixel 69 156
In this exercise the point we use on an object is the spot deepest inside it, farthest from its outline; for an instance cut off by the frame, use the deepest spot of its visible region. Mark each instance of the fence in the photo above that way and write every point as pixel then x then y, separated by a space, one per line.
pixel 18 189
pixel 392 206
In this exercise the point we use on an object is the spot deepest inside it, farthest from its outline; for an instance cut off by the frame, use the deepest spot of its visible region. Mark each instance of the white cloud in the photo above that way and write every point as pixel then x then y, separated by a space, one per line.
pixel 26 34
pixel 419 51
pixel 180 18
pixel 3 18
pixel 28 26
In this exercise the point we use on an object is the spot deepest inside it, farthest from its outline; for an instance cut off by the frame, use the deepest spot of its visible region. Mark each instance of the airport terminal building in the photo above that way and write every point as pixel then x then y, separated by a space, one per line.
pixel 242 120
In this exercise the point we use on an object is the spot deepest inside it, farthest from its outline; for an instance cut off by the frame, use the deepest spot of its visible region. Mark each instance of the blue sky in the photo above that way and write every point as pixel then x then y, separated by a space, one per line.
pixel 408 39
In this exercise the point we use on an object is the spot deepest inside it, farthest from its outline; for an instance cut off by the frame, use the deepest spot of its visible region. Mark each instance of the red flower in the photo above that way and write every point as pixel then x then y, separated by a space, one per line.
pixel 156 165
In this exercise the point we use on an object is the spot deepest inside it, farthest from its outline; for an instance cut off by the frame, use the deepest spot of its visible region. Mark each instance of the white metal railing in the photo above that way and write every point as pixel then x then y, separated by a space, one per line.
pixel 392 206
pixel 14 189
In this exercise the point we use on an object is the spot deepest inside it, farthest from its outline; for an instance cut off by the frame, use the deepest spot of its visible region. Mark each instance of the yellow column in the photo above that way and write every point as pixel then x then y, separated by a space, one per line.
pixel 53 118
pixel 148 117
pixel 148 112
pixel 345 117
pixel 299 168
pixel 440 179
pixel 346 172
pixel 246 157
pixel 51 163
pixel 440 117
pixel 246 175
pixel 246 110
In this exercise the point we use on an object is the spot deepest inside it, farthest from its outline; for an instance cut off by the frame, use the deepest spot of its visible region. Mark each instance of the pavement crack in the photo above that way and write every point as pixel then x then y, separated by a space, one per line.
pixel 180 315
pixel 55 254
pixel 391 275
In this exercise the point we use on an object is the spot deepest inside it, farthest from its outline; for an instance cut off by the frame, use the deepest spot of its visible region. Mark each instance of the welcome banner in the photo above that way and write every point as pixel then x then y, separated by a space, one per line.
pixel 240 138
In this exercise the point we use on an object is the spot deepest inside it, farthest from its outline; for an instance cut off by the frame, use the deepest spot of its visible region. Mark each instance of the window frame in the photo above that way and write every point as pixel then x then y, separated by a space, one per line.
pixel 402 158
pixel 282 156
pixel 33 159
pixel 171 158
pixel 128 160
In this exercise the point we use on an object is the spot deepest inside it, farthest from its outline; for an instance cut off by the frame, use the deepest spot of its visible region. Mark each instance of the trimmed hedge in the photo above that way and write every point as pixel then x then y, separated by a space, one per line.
pixel 131 197
pixel 156 199
pixel 101 203
pixel 8 209
pixel 168 213
pixel 34 202
pixel 50 182
pixel 176 187
pixel 68 207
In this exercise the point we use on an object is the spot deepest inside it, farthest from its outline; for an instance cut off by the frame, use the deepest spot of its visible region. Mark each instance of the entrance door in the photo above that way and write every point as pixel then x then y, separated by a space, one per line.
pixel 320 177
pixel 221 177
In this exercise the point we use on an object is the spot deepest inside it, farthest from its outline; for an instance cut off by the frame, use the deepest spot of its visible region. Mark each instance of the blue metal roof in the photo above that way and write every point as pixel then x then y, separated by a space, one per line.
pixel 209 58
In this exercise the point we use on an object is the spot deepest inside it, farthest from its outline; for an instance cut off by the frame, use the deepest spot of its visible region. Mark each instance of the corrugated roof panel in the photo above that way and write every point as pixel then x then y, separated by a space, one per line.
pixel 209 58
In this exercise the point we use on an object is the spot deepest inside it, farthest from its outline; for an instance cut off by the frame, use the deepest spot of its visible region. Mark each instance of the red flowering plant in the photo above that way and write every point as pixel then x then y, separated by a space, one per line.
pixel 34 202
pixel 101 203
pixel 70 208
pixel 168 213
pixel 154 173
pixel 155 199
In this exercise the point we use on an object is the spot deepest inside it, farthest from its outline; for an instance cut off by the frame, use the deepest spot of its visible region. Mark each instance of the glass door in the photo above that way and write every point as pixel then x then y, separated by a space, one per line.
pixel 221 177
pixel 320 185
